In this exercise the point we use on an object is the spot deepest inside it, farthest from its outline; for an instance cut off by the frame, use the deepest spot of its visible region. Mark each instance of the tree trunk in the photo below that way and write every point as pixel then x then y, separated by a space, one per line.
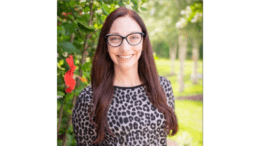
pixel 195 57
pixel 173 52
pixel 182 56
pixel 60 116
pixel 71 37
pixel 64 141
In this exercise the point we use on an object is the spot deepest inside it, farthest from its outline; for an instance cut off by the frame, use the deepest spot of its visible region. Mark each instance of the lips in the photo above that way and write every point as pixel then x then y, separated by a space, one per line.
pixel 125 57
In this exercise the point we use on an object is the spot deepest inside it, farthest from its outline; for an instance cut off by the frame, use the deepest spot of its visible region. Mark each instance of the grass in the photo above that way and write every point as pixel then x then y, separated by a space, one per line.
pixel 164 67
pixel 189 115
pixel 188 112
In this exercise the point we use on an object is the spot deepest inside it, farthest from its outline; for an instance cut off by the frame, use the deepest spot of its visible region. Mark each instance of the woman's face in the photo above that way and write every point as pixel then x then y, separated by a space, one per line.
pixel 125 56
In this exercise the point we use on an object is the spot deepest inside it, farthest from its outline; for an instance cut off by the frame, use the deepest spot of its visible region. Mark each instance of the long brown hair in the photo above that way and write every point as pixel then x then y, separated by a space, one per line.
pixel 102 77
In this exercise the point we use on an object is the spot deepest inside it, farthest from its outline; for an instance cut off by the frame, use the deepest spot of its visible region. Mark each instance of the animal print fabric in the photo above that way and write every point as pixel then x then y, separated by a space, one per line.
pixel 131 117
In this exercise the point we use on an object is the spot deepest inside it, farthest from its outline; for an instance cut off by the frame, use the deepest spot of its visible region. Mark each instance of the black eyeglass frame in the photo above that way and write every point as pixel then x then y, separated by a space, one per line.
pixel 106 37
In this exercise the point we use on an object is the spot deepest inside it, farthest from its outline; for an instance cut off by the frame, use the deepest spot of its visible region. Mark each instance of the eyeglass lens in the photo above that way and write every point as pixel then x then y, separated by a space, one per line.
pixel 133 39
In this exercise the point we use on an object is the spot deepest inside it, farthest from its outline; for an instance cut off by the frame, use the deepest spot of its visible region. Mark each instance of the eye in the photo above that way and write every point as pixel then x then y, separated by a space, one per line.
pixel 114 39
pixel 134 37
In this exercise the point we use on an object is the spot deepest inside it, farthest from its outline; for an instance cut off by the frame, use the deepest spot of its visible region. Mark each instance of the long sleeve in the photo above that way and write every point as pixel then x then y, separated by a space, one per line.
pixel 170 95
pixel 83 129
pixel 166 84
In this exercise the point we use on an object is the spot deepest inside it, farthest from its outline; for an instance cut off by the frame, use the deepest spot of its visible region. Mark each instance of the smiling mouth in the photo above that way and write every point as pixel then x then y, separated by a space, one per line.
pixel 125 57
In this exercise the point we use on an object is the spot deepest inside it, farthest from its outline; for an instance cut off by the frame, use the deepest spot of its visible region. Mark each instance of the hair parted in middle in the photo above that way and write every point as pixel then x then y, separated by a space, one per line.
pixel 102 77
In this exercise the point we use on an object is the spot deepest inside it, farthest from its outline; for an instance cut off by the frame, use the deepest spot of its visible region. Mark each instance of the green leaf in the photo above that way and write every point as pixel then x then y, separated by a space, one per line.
pixel 68 47
pixel 86 9
pixel 60 100
pixel 70 17
pixel 70 27
pixel 99 19
pixel 79 89
pixel 61 30
pixel 84 19
pixel 72 4
pixel 87 74
pixel 144 1
pixel 120 3
pixel 85 28
pixel 70 129
pixel 85 66
pixel 69 111
pixel 60 81
pixel 76 14
pixel 135 2
pixel 105 9
pixel 69 96
pixel 60 93
pixel 143 9
pixel 103 18
pixel 135 8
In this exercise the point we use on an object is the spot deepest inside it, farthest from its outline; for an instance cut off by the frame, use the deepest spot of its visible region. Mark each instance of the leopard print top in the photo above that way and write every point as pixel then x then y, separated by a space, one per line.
pixel 131 117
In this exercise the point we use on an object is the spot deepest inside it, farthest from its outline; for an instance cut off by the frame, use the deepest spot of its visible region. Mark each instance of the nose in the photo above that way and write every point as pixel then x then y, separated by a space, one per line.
pixel 125 46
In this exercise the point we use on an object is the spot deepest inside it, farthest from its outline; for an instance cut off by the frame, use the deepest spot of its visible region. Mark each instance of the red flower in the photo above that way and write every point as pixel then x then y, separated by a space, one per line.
pixel 68 77
pixel 64 14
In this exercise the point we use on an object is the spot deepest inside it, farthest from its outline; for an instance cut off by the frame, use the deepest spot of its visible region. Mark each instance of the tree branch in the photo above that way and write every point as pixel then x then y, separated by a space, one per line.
pixel 91 13
pixel 64 141
pixel 88 36
pixel 71 38
pixel 60 116
pixel 80 34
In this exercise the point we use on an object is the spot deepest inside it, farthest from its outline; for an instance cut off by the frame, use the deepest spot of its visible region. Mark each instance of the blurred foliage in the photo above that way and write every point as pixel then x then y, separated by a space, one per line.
pixel 163 18
pixel 164 66
pixel 73 27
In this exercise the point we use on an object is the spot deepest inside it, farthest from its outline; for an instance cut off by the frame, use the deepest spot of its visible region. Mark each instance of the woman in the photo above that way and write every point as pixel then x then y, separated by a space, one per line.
pixel 127 100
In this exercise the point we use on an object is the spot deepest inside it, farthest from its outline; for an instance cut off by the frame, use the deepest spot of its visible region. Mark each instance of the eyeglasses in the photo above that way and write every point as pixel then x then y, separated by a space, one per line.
pixel 116 40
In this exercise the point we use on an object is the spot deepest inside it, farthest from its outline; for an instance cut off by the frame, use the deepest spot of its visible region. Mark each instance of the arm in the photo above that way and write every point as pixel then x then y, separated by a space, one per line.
pixel 84 131
pixel 170 95
pixel 166 84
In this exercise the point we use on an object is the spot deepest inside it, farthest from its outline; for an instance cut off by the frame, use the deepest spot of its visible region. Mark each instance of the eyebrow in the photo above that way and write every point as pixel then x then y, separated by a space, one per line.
pixel 118 33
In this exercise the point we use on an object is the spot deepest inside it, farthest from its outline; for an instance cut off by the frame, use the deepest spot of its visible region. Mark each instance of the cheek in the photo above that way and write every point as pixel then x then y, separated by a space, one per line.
pixel 112 54
pixel 139 50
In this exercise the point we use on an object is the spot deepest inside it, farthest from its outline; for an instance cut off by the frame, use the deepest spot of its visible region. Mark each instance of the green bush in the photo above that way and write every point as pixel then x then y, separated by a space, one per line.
pixel 78 28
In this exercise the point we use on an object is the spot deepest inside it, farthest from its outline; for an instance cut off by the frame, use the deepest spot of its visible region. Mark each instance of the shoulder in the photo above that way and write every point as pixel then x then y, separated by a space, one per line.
pixel 86 93
pixel 163 79
pixel 85 96
pixel 83 103
pixel 165 83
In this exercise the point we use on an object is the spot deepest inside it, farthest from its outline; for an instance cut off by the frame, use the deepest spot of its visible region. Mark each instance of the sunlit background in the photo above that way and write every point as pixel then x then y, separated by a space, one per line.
pixel 175 29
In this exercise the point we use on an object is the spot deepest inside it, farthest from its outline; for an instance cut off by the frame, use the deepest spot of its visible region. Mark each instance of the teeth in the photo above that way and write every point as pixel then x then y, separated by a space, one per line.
pixel 126 56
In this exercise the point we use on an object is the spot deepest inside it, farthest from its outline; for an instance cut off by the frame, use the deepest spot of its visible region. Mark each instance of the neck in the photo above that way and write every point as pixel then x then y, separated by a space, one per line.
pixel 127 77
